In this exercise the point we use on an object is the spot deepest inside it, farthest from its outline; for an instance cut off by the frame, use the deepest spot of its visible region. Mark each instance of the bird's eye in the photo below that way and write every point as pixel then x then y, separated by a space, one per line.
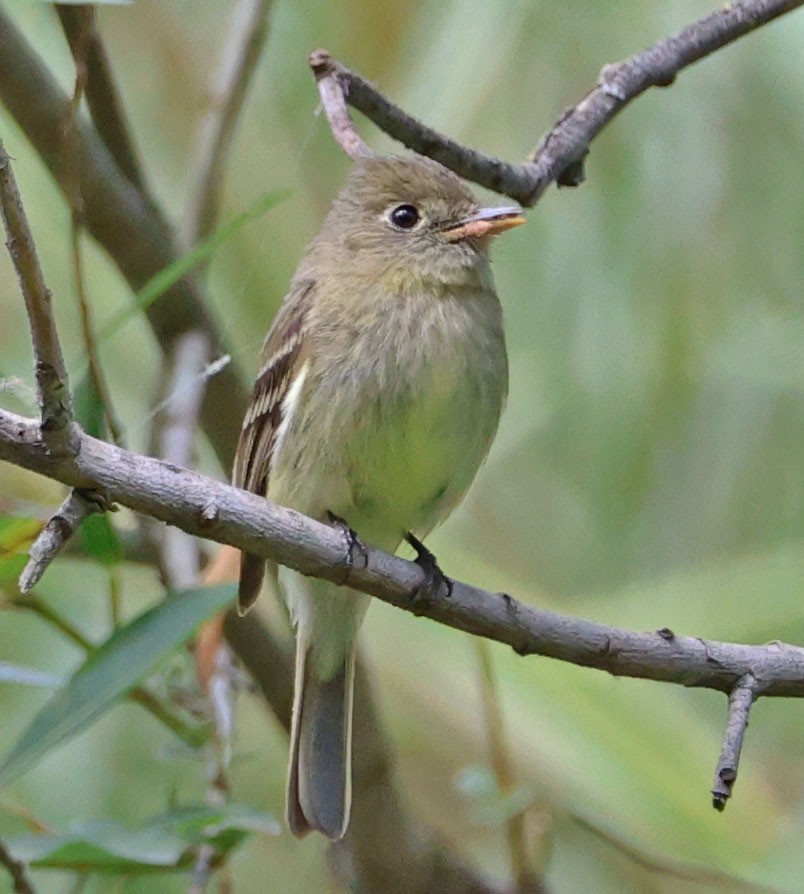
pixel 405 217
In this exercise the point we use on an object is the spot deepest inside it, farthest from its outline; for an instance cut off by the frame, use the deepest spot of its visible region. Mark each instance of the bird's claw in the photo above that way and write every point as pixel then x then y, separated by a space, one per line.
pixel 356 552
pixel 435 583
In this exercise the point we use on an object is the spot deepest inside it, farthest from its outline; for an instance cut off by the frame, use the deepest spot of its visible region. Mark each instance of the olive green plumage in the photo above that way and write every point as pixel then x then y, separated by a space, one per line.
pixel 381 385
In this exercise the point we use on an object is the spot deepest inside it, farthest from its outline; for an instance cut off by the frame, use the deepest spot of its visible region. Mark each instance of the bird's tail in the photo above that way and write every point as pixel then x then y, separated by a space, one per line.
pixel 320 769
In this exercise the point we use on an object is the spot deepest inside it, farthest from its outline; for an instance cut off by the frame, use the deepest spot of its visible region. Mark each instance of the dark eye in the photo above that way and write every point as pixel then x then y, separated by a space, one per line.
pixel 405 217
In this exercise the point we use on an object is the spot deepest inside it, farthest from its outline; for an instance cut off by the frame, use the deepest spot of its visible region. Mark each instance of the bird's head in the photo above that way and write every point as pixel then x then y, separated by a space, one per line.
pixel 411 215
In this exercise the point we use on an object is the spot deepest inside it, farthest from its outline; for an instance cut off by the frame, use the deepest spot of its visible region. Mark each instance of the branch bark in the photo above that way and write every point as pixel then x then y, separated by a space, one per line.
pixel 206 508
pixel 101 93
pixel 53 389
pixel 559 155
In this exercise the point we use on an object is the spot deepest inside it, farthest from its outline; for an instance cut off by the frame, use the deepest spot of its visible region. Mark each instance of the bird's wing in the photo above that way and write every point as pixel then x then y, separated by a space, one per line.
pixel 283 348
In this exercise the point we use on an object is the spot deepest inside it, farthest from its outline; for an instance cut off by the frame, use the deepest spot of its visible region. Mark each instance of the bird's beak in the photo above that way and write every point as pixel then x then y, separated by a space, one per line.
pixel 486 222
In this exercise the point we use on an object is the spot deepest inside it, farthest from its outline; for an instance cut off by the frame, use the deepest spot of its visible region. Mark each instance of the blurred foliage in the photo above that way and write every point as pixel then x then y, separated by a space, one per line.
pixel 649 471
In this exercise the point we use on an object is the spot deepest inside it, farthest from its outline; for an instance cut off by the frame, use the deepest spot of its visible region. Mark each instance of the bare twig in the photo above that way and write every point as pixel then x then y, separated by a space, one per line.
pixel 51 374
pixel 124 220
pixel 741 698
pixel 329 77
pixel 101 93
pixel 560 153
pixel 239 57
pixel 17 871
pixel 55 534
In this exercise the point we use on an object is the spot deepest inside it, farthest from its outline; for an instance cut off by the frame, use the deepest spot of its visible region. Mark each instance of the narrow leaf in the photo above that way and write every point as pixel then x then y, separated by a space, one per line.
pixel 118 665
pixel 166 842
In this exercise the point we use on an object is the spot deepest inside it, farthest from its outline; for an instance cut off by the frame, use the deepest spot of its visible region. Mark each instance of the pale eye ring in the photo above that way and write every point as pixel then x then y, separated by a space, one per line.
pixel 404 217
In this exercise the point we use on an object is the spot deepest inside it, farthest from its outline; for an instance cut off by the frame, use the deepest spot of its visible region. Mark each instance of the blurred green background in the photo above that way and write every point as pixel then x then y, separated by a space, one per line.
pixel 649 470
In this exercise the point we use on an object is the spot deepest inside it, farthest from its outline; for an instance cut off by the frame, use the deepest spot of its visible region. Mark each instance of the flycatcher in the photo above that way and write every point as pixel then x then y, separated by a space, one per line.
pixel 380 389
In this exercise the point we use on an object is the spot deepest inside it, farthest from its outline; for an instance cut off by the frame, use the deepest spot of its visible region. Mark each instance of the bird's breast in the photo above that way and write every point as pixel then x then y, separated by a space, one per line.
pixel 405 409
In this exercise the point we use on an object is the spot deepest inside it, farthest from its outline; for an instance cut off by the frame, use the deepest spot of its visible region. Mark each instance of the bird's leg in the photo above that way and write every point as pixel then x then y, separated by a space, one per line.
pixel 356 552
pixel 435 581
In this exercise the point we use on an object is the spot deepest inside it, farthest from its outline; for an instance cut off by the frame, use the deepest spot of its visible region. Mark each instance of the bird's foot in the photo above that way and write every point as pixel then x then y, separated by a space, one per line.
pixel 435 584
pixel 356 552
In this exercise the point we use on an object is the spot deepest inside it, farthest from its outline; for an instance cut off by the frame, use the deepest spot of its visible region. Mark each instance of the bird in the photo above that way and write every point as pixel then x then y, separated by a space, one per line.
pixel 381 384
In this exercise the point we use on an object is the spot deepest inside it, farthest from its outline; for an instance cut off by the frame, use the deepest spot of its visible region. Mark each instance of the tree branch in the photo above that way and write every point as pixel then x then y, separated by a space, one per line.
pixel 101 92
pixel 207 508
pixel 560 153
pixel 54 536
pixel 741 698
pixel 53 389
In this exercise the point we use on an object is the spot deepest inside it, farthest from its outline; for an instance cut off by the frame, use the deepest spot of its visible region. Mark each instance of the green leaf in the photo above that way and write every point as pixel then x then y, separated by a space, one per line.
pixel 113 669
pixel 164 843
pixel 162 281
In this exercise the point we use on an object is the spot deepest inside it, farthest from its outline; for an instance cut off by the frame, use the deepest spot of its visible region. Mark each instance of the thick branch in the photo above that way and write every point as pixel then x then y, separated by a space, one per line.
pixel 559 155
pixel 207 508
pixel 122 219
pixel 101 92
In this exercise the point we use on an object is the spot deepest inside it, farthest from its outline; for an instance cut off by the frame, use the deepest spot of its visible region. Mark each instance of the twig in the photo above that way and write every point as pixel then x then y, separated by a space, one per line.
pixel 17 871
pixel 82 20
pixel 560 153
pixel 55 534
pixel 329 76
pixel 51 375
pixel 239 57
pixel 741 698
pixel 101 93
pixel 124 220
pixel 564 147
pixel 207 508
